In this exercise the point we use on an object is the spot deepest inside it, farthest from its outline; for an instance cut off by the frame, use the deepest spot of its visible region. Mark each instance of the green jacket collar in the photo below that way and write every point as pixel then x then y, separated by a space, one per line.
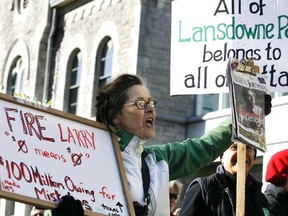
pixel 125 138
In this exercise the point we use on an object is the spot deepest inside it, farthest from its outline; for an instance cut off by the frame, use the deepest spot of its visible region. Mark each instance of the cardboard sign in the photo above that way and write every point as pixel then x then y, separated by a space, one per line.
pixel 206 34
pixel 46 154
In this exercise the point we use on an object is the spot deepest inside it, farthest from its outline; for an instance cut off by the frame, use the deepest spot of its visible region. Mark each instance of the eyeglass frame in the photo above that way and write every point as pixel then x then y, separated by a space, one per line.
pixel 154 103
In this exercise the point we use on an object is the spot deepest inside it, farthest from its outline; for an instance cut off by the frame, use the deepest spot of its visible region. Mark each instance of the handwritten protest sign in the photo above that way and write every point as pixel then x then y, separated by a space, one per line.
pixel 46 154
pixel 207 33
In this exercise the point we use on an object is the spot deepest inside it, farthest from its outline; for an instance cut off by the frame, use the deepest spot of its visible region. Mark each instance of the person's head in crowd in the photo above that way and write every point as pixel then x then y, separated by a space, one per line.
pixel 277 169
pixel 175 189
pixel 229 158
pixel 127 105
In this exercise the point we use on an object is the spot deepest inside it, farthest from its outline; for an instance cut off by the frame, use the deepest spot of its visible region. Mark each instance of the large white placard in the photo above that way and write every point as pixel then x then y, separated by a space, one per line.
pixel 205 34
pixel 46 154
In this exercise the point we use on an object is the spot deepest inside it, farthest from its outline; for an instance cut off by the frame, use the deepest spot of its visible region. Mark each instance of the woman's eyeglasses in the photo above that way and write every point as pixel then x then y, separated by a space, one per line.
pixel 142 104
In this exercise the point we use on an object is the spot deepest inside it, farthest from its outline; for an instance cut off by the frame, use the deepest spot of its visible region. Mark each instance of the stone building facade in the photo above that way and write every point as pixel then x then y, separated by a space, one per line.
pixel 42 42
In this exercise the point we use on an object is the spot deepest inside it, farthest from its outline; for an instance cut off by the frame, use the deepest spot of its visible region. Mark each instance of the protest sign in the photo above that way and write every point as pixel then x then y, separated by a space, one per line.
pixel 206 34
pixel 247 102
pixel 247 91
pixel 46 154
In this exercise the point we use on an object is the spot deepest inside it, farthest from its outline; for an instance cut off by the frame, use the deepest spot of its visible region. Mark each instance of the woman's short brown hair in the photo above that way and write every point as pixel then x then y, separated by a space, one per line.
pixel 112 97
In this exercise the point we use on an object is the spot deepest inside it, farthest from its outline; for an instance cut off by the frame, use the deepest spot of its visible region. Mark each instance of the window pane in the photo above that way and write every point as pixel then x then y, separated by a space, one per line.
pixel 73 78
pixel 210 103
pixel 226 101
pixel 74 71
pixel 207 103
pixel 74 82
pixel 13 83
pixel 17 79
pixel 72 109
pixel 73 100
pixel 106 62
pixel 73 95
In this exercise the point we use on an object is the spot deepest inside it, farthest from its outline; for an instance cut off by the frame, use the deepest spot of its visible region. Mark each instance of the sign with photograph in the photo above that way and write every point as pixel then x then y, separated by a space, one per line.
pixel 247 98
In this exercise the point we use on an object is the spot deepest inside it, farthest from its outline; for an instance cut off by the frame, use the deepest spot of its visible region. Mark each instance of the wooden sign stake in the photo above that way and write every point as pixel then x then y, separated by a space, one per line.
pixel 241 179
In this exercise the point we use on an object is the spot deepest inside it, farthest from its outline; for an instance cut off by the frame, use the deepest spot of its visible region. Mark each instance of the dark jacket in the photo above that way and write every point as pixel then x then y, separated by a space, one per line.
pixel 216 195
pixel 277 199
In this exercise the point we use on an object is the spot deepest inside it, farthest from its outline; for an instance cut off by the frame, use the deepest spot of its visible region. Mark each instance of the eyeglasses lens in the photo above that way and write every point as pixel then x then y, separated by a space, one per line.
pixel 141 104
pixel 152 103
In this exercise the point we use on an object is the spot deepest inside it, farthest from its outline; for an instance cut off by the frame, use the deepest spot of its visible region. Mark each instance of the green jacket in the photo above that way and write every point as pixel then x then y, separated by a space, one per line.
pixel 169 161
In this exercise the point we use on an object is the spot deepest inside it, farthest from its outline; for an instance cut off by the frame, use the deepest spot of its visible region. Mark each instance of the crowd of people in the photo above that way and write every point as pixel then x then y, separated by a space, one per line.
pixel 126 107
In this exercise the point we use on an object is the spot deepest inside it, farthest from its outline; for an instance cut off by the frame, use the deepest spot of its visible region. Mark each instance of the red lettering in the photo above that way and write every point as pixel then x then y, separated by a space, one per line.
pixel 78 133
pixel 27 175
pixel 30 123
pixel 14 168
pixel 106 195
pixel 61 135
pixel 40 128
pixel 86 205
pixel 37 176
pixel 70 134
pixel 92 144
pixel 23 124
pixel 78 137
pixel 8 169
pixel 10 118
pixel 29 118
pixel 53 197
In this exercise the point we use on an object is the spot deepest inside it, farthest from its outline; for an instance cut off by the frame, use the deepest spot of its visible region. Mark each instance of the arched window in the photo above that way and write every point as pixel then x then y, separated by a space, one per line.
pixel 16 78
pixel 73 80
pixel 103 67
pixel 105 61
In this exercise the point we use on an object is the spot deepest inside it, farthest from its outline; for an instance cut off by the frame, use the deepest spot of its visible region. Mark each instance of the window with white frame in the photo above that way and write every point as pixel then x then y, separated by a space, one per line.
pixel 214 102
pixel 73 80
pixel 211 102
pixel 278 94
